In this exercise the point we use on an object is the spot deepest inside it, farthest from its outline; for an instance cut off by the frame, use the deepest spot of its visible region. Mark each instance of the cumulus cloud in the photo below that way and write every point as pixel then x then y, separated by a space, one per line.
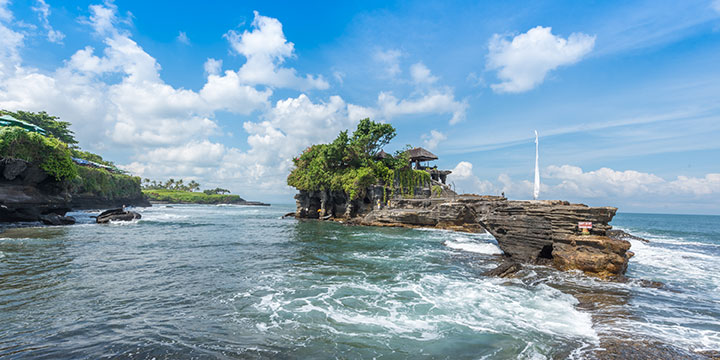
pixel 43 11
pixel 629 188
pixel 464 180
pixel 432 140
pixel 265 49
pixel 433 102
pixel 213 66
pixel 140 109
pixel 523 62
pixel 390 61
pixel 421 74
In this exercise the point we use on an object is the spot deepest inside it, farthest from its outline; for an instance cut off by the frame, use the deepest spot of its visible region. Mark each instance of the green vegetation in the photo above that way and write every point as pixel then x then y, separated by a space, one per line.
pixel 437 190
pixel 104 184
pixel 216 191
pixel 172 184
pixel 189 197
pixel 54 152
pixel 51 124
pixel 349 164
pixel 49 153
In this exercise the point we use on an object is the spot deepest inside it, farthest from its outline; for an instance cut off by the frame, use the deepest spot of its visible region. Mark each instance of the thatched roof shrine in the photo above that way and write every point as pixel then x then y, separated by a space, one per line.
pixel 420 154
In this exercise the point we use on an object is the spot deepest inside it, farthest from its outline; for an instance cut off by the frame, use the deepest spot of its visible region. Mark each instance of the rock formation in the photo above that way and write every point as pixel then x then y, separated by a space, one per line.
pixel 119 214
pixel 28 193
pixel 535 231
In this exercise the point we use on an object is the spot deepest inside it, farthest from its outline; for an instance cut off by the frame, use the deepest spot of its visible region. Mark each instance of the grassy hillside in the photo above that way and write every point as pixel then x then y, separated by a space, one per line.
pixel 188 197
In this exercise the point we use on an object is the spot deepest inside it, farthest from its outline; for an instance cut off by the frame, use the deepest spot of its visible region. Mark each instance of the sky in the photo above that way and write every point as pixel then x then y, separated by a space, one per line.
pixel 624 94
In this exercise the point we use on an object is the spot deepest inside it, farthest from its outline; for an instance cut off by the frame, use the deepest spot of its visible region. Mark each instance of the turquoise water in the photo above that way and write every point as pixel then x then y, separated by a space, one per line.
pixel 193 281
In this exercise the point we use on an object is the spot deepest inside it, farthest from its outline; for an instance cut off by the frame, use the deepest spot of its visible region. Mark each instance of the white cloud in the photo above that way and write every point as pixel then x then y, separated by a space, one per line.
pixel 434 102
pixel 140 109
pixel 5 14
pixel 421 74
pixel 213 66
pixel 524 62
pixel 43 11
pixel 465 181
pixel 432 140
pixel 265 48
pixel 183 38
pixel 628 189
pixel 390 60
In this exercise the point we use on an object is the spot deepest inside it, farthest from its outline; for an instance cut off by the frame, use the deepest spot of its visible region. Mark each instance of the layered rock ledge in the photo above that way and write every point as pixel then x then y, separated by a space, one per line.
pixel 534 231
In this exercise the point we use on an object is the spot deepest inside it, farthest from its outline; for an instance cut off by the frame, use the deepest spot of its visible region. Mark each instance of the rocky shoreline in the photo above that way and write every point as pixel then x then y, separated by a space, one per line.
pixel 28 193
pixel 537 232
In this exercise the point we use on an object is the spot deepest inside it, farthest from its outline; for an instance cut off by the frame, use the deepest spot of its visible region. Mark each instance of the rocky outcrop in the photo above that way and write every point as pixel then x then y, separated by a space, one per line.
pixel 119 214
pixel 544 232
pixel 28 193
pixel 55 219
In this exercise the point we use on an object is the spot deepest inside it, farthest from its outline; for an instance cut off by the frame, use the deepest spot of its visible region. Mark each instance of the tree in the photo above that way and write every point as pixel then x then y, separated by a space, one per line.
pixel 370 137
pixel 51 124
pixel 193 185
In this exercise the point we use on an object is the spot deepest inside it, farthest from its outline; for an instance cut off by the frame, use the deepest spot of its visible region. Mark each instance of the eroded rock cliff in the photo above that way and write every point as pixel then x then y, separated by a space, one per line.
pixel 543 232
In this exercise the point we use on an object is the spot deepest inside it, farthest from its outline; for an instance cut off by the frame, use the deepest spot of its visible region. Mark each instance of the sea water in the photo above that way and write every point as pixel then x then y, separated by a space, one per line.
pixel 199 281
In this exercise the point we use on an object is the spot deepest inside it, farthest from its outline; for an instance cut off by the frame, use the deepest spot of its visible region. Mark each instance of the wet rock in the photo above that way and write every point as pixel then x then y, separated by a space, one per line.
pixel 55 219
pixel 640 349
pixel 12 168
pixel 117 215
pixel 288 215
pixel 621 235
pixel 505 270
pixel 592 254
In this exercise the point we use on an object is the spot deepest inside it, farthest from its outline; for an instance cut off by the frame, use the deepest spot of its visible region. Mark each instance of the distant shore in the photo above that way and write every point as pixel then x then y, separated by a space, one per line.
pixel 164 196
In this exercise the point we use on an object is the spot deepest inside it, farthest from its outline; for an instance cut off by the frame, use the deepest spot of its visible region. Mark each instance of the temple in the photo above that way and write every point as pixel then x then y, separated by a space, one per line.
pixel 418 156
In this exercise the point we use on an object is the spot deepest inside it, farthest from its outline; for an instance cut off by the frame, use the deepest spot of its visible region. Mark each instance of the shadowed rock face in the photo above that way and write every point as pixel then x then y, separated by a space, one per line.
pixel 528 231
pixel 28 193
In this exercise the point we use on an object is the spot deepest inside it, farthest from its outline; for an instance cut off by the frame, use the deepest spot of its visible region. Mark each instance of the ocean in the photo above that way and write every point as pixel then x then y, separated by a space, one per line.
pixel 201 281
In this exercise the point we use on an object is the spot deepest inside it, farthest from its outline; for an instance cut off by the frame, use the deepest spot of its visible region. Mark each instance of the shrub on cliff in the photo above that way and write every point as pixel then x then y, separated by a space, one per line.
pixel 49 153
pixel 104 184
pixel 350 164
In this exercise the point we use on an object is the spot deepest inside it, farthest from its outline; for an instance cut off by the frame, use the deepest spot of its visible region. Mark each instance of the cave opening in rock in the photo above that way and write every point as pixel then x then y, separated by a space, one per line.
pixel 546 252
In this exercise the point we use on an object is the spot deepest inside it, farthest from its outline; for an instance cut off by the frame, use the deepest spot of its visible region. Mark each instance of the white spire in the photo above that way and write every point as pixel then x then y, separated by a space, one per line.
pixel 536 189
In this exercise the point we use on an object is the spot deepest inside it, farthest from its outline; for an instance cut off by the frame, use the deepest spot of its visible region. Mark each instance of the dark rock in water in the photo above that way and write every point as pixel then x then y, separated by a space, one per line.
pixel 290 214
pixel 505 270
pixel 117 215
pixel 55 219
pixel 621 235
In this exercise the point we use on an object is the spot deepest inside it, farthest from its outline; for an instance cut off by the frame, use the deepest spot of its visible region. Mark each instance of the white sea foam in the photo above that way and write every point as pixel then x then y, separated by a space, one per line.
pixel 421 309
pixel 481 248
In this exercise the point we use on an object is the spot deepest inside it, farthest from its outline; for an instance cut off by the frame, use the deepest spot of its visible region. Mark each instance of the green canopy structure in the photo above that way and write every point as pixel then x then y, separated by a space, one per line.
pixel 7 120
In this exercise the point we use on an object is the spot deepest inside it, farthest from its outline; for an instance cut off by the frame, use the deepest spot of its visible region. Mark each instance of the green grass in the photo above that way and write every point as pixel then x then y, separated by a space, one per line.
pixel 187 197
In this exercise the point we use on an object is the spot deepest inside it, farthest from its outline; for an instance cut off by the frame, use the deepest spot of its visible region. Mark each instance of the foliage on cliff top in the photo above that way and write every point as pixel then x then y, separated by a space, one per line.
pixel 105 184
pixel 189 197
pixel 51 124
pixel 49 153
pixel 349 164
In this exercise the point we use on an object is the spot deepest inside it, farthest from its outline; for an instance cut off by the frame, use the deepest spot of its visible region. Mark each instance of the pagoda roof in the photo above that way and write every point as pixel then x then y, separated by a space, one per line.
pixel 420 154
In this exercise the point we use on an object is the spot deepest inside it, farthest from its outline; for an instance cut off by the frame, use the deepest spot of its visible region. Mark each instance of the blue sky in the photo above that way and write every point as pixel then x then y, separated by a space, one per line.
pixel 625 95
